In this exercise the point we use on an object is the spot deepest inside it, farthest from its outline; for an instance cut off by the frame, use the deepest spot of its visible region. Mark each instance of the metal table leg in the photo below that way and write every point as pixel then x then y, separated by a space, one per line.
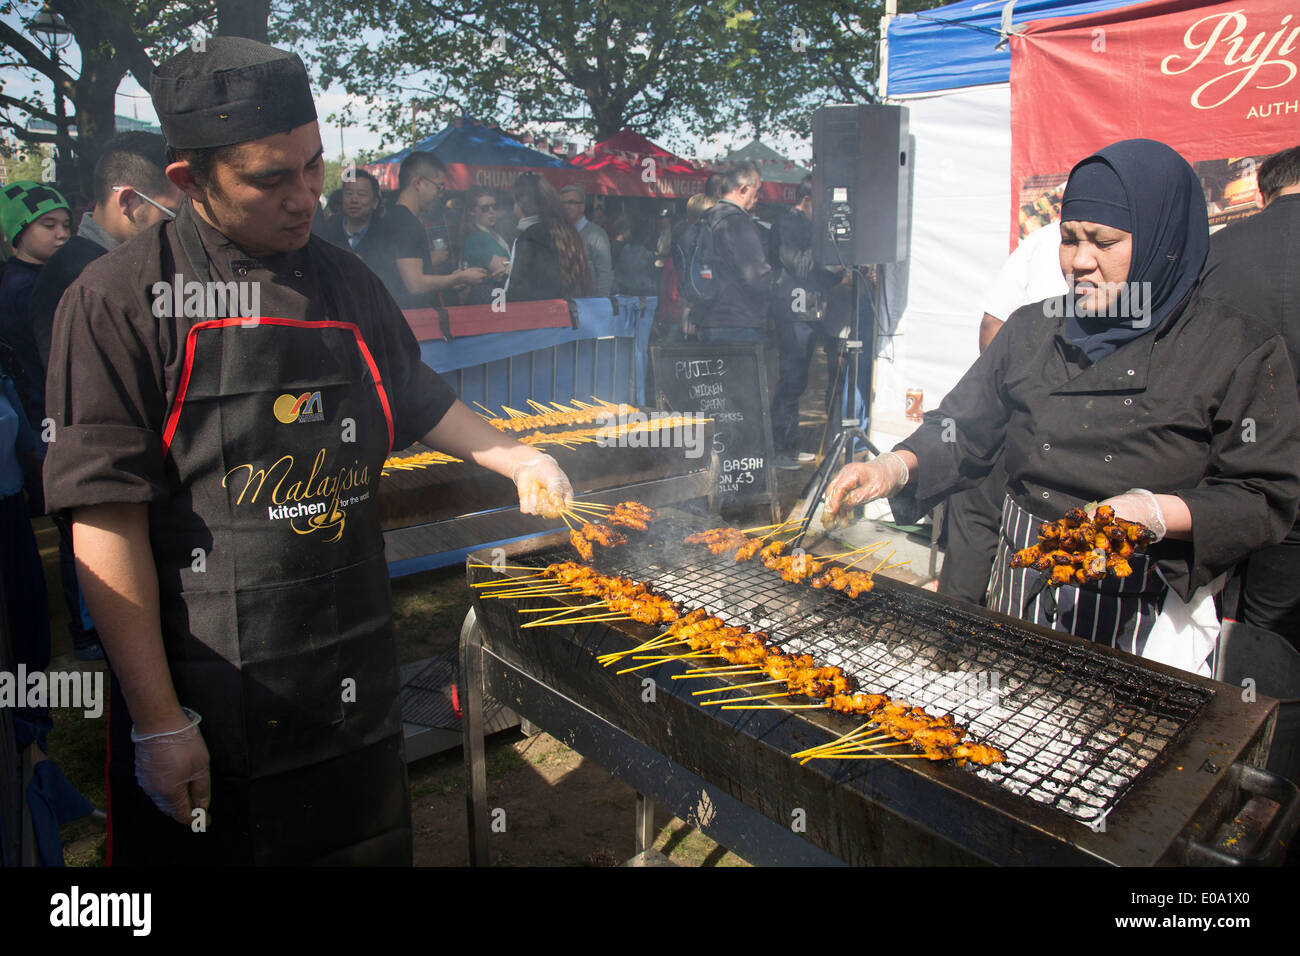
pixel 471 682
pixel 645 823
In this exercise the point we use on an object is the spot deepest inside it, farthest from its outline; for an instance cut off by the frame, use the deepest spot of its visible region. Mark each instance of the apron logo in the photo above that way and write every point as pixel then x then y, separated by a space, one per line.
pixel 299 408
pixel 316 503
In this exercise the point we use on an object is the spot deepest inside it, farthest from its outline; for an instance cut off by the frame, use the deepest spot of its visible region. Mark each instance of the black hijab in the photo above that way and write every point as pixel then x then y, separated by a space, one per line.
pixel 1145 188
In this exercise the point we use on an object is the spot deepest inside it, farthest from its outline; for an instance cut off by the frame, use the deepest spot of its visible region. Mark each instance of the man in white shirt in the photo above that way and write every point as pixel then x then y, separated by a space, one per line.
pixel 594 238
pixel 1030 274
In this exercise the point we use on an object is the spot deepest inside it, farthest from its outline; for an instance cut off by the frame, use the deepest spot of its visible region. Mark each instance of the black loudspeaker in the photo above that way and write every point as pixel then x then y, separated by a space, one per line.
pixel 860 184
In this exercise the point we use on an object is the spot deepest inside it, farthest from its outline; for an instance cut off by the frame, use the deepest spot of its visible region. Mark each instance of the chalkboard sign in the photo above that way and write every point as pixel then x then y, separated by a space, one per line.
pixel 727 383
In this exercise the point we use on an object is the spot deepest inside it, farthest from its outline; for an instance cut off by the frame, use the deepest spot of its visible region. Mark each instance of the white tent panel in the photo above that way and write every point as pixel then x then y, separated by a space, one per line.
pixel 961 190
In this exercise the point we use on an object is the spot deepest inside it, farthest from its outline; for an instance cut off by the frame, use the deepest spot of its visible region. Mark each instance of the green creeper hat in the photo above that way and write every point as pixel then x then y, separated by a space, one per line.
pixel 23 202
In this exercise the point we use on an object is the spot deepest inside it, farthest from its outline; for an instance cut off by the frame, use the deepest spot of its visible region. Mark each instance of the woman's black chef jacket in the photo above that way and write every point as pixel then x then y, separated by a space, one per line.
pixel 273 591
pixel 1204 408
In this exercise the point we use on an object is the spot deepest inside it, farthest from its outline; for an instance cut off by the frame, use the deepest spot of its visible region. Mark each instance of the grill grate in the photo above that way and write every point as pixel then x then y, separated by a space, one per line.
pixel 1078 728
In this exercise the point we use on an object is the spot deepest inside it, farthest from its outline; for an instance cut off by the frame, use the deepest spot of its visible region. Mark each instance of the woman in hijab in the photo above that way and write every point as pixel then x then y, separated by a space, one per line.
pixel 1131 390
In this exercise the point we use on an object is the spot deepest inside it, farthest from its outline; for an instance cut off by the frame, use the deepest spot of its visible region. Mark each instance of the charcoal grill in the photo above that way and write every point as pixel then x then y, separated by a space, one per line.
pixel 1110 758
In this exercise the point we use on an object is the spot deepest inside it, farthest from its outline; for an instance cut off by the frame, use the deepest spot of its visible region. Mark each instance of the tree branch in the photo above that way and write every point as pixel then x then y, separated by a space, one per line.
pixel 25 135
pixel 30 109
pixel 33 54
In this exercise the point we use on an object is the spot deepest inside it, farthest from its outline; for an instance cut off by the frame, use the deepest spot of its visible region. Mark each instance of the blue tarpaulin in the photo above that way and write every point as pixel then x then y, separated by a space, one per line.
pixel 474 145
pixel 605 356
pixel 956 46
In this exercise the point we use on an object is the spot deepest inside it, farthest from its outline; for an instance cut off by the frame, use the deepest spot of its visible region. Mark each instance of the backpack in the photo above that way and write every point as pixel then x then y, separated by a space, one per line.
pixel 697 283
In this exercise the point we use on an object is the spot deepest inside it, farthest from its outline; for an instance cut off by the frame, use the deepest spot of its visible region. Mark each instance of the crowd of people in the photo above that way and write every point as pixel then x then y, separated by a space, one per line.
pixel 484 246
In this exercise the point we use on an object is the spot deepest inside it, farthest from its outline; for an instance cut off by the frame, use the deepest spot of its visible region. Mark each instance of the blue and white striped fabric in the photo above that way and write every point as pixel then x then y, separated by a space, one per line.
pixel 1117 612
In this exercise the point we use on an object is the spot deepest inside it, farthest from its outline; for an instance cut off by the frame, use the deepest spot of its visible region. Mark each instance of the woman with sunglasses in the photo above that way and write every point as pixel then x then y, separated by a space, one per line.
pixel 483 247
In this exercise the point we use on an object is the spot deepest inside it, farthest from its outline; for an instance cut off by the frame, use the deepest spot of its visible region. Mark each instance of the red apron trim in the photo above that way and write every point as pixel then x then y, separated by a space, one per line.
pixel 173 418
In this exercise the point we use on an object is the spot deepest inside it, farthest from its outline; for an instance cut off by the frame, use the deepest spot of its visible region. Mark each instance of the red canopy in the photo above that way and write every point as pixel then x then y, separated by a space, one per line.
pixel 628 164
pixel 627 151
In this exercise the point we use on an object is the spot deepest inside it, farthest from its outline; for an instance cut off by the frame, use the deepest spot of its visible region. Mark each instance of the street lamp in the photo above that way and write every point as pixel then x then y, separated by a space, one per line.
pixel 54 32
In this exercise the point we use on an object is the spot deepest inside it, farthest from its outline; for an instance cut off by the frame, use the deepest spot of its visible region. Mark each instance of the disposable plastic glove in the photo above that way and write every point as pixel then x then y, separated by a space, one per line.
pixel 1140 505
pixel 172 768
pixel 543 487
pixel 860 482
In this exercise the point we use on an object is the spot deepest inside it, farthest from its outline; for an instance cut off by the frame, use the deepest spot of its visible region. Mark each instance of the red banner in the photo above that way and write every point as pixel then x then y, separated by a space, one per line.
pixel 1216 81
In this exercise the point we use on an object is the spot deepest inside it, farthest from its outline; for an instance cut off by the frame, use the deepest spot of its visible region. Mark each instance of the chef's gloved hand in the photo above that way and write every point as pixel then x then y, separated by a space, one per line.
pixel 860 482
pixel 1140 505
pixel 172 768
pixel 543 487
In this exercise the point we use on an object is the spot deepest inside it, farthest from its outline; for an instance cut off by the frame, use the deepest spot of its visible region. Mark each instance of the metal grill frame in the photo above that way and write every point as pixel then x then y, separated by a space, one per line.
pixel 1181 796
pixel 1122 716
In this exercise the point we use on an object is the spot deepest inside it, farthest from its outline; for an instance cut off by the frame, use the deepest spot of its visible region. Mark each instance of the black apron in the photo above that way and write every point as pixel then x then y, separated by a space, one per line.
pixel 1118 612
pixel 275 603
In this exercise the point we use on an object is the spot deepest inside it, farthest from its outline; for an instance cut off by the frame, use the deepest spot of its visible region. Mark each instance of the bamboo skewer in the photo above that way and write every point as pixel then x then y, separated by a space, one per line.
pixel 506 582
pixel 882 757
pixel 547 610
pixel 654 662
pixel 778 707
pixel 719 690
pixel 577 620
pixel 735 700
pixel 719 673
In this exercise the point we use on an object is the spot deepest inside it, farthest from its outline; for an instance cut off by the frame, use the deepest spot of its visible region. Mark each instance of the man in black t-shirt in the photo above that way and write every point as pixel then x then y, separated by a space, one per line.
pixel 403 260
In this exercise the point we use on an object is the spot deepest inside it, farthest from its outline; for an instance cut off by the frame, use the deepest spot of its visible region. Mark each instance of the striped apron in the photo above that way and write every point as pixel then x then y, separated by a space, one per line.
pixel 1118 612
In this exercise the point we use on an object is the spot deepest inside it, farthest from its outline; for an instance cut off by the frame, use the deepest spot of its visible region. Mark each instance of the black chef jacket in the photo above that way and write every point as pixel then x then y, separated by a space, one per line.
pixel 1255 265
pixel 260 643
pixel 1204 408
pixel 114 371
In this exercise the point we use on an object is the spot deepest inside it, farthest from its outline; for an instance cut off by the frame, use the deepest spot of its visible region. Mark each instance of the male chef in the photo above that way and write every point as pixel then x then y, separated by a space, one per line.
pixel 225 389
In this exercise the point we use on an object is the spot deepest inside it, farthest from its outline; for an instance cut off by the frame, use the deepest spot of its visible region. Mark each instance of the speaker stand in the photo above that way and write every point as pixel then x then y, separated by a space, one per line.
pixel 844 432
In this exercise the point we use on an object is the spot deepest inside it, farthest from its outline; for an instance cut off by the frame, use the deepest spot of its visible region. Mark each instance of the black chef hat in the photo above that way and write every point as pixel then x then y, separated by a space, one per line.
pixel 232 91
